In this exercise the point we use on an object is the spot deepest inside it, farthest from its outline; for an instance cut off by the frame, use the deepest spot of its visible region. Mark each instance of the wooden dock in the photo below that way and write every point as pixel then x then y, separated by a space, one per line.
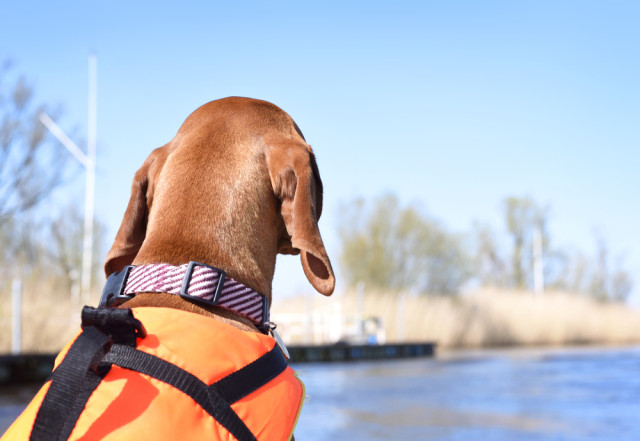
pixel 347 352
pixel 25 368
pixel 34 368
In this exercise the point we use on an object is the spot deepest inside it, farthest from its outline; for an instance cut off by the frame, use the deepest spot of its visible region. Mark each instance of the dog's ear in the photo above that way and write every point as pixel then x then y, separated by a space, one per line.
pixel 134 223
pixel 296 183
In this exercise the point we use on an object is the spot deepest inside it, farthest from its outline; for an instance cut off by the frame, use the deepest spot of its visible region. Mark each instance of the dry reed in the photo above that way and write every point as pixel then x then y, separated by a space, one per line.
pixel 49 318
pixel 486 318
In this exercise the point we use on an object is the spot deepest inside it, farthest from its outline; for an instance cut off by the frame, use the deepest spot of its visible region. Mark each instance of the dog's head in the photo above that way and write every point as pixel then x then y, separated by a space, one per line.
pixel 237 185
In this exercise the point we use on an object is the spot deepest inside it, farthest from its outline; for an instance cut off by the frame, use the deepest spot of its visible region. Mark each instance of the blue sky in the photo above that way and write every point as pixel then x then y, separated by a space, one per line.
pixel 453 105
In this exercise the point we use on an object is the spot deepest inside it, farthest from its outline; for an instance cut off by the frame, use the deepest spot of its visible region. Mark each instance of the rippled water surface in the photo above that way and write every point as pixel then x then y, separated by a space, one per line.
pixel 525 395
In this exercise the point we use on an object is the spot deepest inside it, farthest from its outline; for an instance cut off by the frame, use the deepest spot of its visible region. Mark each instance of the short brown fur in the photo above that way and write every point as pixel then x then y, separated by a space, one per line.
pixel 236 186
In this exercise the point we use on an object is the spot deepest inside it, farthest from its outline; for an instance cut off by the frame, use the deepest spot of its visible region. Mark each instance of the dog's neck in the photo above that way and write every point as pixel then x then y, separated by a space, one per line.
pixel 241 264
pixel 234 225
pixel 219 233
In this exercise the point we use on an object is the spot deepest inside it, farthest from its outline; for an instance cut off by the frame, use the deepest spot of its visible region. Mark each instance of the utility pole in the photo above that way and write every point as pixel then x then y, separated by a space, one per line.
pixel 88 160
pixel 16 316
pixel 538 274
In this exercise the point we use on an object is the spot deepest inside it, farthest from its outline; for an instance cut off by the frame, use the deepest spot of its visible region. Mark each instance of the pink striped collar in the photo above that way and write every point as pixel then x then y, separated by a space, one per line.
pixel 194 281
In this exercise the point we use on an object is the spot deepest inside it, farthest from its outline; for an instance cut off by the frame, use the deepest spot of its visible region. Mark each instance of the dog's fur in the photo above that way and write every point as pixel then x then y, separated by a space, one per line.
pixel 235 187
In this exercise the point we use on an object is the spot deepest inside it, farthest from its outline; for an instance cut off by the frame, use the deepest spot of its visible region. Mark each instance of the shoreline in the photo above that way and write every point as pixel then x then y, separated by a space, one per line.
pixel 32 369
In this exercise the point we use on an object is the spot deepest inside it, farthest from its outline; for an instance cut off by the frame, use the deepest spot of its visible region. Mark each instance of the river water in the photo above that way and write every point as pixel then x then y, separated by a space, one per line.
pixel 581 394
pixel 520 395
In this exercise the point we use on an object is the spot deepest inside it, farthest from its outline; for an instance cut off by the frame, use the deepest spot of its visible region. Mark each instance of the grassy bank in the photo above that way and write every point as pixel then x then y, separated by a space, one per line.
pixel 487 318
pixel 483 319
pixel 49 318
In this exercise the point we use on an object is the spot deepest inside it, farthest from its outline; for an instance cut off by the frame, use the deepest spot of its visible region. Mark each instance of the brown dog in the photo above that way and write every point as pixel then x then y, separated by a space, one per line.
pixel 235 187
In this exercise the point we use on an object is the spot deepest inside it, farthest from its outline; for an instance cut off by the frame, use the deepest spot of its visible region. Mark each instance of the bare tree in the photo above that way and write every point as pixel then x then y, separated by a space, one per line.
pixel 621 284
pixel 30 165
pixel 609 281
pixel 522 216
pixel 64 246
pixel 600 277
pixel 488 260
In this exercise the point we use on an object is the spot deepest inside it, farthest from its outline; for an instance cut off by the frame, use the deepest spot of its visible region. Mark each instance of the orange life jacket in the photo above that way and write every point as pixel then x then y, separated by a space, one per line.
pixel 129 405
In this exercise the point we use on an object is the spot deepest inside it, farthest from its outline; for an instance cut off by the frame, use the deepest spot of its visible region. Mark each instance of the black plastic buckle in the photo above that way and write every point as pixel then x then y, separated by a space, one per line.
pixel 187 280
pixel 119 324
pixel 113 293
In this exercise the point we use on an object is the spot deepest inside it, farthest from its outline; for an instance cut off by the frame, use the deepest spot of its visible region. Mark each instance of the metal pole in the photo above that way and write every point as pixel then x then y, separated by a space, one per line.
pixel 64 139
pixel 360 309
pixel 16 316
pixel 401 317
pixel 538 274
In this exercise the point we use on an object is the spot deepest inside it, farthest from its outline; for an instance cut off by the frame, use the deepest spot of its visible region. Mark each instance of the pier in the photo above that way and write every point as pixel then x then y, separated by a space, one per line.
pixel 34 368
pixel 25 368
pixel 347 352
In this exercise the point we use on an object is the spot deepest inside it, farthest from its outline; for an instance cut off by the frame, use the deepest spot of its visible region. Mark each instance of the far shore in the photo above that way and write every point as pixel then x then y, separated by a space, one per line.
pixel 489 319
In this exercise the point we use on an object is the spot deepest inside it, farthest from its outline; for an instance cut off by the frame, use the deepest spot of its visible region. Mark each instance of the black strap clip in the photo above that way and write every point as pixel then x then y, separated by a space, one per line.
pixel 119 324
pixel 113 293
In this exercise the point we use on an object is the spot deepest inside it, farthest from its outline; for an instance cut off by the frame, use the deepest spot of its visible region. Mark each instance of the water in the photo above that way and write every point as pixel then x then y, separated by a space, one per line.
pixel 523 395
pixel 12 401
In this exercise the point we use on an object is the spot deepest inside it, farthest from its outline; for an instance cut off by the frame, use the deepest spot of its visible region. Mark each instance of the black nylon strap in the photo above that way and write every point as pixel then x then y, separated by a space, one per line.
pixel 206 397
pixel 91 382
pixel 67 382
pixel 252 377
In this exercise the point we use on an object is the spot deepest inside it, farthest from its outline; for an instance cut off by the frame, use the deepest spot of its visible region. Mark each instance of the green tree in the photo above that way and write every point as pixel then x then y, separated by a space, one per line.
pixel 392 247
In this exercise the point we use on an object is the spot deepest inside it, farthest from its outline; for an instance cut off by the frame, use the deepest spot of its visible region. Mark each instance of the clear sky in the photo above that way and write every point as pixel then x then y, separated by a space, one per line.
pixel 453 105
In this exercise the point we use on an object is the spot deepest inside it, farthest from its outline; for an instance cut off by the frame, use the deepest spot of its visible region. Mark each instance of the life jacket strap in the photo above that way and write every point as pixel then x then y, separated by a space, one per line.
pixel 67 384
pixel 96 350
pixel 206 396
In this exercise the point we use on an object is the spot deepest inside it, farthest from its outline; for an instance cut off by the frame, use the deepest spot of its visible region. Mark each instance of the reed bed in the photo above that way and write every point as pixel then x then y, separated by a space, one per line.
pixel 49 318
pixel 486 318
